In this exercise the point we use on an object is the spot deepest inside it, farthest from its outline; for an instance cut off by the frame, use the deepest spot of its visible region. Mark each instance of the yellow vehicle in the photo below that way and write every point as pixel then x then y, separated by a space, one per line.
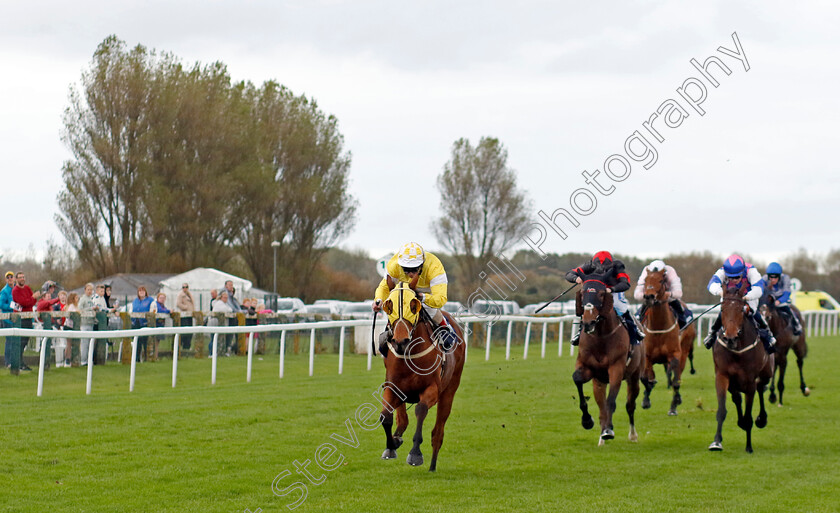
pixel 806 300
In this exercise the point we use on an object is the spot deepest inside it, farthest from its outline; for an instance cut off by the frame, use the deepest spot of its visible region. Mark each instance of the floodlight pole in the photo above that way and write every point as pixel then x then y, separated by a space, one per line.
pixel 274 245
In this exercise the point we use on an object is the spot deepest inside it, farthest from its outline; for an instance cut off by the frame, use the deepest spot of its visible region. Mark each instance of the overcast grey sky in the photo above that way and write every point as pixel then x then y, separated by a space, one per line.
pixel 561 84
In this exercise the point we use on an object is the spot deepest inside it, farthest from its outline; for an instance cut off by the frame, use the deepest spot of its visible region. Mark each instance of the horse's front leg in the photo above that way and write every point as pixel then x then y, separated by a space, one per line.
pixel 402 424
pixel 581 376
pixel 427 399
pixel 616 373
pixel 675 367
pixel 389 398
pixel 649 381
pixel 599 390
pixel 747 423
pixel 721 386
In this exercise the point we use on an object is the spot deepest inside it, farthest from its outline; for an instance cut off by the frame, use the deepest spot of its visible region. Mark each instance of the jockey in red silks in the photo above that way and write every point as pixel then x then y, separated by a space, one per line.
pixel 617 281
pixel 734 273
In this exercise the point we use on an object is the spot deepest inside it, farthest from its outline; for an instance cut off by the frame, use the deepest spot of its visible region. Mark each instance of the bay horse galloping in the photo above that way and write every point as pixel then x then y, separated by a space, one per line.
pixel 785 340
pixel 742 365
pixel 605 356
pixel 421 370
pixel 664 342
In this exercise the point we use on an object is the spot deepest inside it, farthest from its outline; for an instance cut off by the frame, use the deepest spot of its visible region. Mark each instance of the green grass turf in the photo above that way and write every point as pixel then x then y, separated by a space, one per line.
pixel 514 442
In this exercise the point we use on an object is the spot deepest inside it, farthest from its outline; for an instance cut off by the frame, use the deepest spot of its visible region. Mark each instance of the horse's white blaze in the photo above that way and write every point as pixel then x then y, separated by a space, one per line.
pixel 588 307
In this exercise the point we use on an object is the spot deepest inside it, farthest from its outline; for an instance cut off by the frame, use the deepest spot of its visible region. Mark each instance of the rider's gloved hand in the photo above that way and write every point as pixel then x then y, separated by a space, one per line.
pixel 377 305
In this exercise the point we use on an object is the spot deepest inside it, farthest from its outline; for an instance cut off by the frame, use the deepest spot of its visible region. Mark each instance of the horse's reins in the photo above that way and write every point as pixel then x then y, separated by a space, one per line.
pixel 720 340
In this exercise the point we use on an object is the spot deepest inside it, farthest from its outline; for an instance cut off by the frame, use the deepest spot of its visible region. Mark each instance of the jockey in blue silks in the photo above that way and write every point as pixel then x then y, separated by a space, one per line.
pixel 778 285
pixel 734 273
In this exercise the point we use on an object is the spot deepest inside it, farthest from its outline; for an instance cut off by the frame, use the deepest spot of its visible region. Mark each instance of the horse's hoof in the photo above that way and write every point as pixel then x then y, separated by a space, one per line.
pixel 693 371
pixel 715 446
pixel 398 441
pixel 806 391
pixel 600 442
pixel 587 422
pixel 607 434
pixel 415 460
pixel 760 422
pixel 389 454
pixel 749 449
pixel 633 436
pixel 780 405
pixel 645 403
pixel 772 397
pixel 672 413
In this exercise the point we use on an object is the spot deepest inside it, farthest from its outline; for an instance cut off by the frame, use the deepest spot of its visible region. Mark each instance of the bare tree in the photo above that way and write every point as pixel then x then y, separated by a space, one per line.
pixel 483 210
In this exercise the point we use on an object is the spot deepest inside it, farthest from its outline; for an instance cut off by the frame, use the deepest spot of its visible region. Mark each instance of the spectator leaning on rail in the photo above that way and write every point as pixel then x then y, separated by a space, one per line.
pixel 222 305
pixel 141 304
pixel 617 281
pixel 735 273
pixel 673 292
pixel 778 284
pixel 185 303
pixel 432 285
pixel 25 299
pixel 86 308
pixel 6 308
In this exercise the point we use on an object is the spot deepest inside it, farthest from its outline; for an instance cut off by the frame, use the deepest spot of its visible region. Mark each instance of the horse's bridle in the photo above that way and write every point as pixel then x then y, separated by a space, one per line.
pixel 590 306
pixel 411 328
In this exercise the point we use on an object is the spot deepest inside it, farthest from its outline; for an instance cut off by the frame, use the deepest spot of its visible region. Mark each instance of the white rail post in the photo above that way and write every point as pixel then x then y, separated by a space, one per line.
pixel 312 352
pixel 542 345
pixel 527 340
pixel 133 364
pixel 341 350
pixel 175 343
pixel 282 351
pixel 250 356
pixel 560 339
pixel 41 363
pixel 215 358
pixel 487 350
pixel 91 347
pixel 824 324
pixel 466 340
pixel 810 324
pixel 836 317
pixel 370 347
pixel 507 340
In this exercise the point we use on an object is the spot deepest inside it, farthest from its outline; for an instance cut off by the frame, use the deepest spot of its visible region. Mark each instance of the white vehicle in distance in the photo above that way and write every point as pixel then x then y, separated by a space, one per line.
pixel 360 310
pixel 552 309
pixel 337 303
pixel 289 305
pixel 455 308
pixel 493 308
pixel 322 309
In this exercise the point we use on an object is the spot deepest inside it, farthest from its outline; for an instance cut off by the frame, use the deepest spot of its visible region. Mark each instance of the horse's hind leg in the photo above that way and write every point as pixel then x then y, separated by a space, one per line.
pixel 781 384
pixel 801 350
pixel 599 390
pixel 773 397
pixel 580 376
pixel 443 409
pixel 748 420
pixel 765 376
pixel 674 365
pixel 402 425
pixel 691 359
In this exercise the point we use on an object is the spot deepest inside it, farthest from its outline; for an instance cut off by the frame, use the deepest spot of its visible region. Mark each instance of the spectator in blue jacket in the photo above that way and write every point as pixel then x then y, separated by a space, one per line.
pixel 6 306
pixel 141 304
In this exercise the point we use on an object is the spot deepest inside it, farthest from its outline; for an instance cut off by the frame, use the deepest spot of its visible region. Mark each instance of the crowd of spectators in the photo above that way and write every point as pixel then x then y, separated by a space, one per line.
pixel 17 296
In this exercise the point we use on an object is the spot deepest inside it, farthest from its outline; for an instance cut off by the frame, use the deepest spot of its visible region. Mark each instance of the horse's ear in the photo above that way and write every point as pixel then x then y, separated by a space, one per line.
pixel 388 306
pixel 391 283
pixel 413 284
pixel 607 304
pixel 414 305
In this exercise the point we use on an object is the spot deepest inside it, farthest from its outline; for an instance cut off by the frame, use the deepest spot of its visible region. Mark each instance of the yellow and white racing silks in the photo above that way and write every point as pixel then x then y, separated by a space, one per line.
pixel 432 282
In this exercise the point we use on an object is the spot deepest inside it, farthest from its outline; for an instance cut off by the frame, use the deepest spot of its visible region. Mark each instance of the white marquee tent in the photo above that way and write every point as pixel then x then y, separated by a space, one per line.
pixel 201 281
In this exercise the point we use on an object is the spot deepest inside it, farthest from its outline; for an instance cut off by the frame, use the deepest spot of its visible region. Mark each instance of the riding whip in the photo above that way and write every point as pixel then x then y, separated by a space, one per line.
pixel 373 332
pixel 538 310
pixel 699 316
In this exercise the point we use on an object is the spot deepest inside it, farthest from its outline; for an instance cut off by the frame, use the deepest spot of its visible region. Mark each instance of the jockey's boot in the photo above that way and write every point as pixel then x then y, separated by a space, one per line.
pixel 797 326
pixel 791 317
pixel 576 325
pixel 636 335
pixel 682 317
pixel 709 341
pixel 764 333
pixel 446 335
pixel 383 343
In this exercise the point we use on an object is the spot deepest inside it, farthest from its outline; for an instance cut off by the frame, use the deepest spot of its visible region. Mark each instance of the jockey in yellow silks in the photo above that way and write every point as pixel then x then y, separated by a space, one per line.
pixel 404 266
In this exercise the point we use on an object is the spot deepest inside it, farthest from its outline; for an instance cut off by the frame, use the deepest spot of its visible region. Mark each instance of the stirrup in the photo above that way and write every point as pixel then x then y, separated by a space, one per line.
pixel 709 341
pixel 576 340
